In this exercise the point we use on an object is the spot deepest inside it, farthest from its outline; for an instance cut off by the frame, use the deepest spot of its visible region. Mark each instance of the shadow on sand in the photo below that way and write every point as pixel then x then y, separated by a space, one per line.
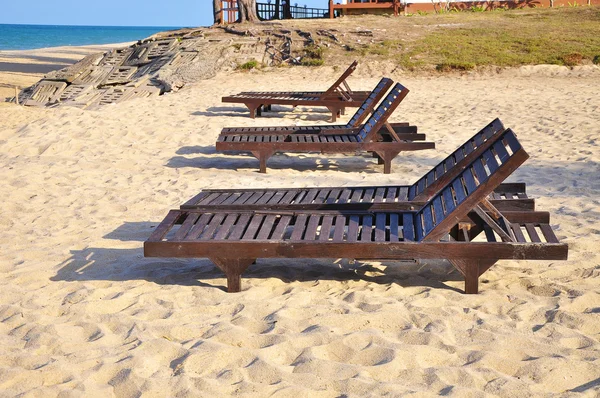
pixel 111 264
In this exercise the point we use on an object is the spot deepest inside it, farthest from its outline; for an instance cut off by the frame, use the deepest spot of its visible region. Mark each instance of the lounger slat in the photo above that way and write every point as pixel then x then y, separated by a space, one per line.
pixel 459 191
pixel 239 227
pixel 253 227
pixel 299 227
pixel 266 227
pixel 265 198
pixel 346 193
pixel 548 233
pixel 282 225
pixel 469 181
pixel 197 229
pixel 212 226
pixel 310 196
pixel 490 161
pixel 326 228
pixel 339 228
pixel 208 199
pixel 449 204
pixel 380 227
pixel 516 228
pixel 408 228
pixel 533 235
pixel 165 226
pixel 366 229
pixel 356 195
pixel 368 195
pixel 394 227
pixel 289 196
pixel 438 209
pixel 353 224
pixel 232 198
pixel 333 196
pixel 311 228
pixel 391 196
pixel 226 226
pixel 501 151
pixel 322 195
pixel 379 193
pixel 402 194
pixel 480 171
pixel 427 219
pixel 255 197
pixel 513 144
pixel 244 198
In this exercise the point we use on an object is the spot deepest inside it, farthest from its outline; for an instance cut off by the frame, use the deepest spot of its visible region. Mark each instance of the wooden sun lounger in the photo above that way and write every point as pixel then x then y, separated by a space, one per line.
pixel 354 123
pixel 233 240
pixel 507 197
pixel 364 140
pixel 338 97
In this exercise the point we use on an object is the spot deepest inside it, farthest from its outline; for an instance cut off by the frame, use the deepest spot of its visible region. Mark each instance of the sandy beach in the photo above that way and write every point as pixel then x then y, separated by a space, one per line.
pixel 83 313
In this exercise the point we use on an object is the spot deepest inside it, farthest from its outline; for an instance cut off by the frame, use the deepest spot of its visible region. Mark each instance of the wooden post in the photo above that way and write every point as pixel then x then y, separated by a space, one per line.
pixel 330 9
pixel 17 95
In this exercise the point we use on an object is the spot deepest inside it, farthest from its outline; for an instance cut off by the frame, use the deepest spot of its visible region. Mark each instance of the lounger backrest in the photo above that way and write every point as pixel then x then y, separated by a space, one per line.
pixel 430 182
pixel 339 81
pixel 382 113
pixel 479 178
pixel 376 95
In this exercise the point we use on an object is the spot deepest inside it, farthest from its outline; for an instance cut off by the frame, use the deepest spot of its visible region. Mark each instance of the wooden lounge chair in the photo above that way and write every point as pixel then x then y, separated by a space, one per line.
pixel 233 240
pixel 509 197
pixel 338 97
pixel 355 122
pixel 365 139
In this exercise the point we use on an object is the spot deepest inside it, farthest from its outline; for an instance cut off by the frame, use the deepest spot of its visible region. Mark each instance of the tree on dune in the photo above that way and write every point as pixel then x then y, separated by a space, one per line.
pixel 248 11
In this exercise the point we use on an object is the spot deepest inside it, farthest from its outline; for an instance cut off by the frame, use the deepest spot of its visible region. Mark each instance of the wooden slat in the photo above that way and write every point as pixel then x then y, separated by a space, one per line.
pixel 353 224
pixel 311 229
pixel 165 226
pixel 227 224
pixel 394 227
pixel 338 231
pixel 408 227
pixel 380 227
pixel 253 227
pixel 212 226
pixel 199 226
pixel 299 227
pixel 279 232
pixel 326 228
pixel 518 233
pixel 367 228
pixel 533 235
pixel 266 227
pixel 548 233
pixel 239 227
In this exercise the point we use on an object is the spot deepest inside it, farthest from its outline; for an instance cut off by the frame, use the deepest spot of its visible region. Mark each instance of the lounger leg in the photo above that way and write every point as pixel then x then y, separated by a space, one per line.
pixel 262 157
pixel 472 270
pixel 253 110
pixel 387 157
pixel 233 269
pixel 335 111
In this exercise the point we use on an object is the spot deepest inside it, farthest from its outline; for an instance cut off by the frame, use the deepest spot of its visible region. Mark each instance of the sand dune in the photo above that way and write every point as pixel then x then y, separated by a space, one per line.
pixel 83 313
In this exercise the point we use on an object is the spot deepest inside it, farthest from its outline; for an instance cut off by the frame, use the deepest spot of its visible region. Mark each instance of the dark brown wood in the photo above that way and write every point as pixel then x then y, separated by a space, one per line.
pixel 364 140
pixel 233 269
pixel 336 98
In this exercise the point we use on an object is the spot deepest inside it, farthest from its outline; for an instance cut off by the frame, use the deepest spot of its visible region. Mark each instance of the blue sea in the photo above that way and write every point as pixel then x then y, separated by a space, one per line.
pixel 26 37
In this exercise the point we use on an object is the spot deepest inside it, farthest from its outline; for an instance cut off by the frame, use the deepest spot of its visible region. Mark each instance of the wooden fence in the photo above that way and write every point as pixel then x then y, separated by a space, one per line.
pixel 269 11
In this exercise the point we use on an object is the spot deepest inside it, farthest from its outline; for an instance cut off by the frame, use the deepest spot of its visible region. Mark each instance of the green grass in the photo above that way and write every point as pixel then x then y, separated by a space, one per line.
pixel 464 40
pixel 252 64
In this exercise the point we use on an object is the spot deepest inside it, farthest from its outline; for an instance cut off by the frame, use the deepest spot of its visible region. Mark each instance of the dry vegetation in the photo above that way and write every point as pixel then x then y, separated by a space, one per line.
pixel 463 40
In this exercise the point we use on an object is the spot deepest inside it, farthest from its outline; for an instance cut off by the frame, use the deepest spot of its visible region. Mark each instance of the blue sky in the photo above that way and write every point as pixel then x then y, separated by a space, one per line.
pixel 116 12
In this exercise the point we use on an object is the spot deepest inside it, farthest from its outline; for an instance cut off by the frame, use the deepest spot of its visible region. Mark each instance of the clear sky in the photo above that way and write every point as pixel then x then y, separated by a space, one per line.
pixel 116 12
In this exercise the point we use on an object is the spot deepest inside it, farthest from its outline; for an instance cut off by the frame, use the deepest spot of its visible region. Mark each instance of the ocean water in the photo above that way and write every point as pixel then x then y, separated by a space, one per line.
pixel 26 37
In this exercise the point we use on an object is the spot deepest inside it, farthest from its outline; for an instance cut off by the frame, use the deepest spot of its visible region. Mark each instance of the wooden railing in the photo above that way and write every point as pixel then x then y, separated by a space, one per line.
pixel 229 11
pixel 268 11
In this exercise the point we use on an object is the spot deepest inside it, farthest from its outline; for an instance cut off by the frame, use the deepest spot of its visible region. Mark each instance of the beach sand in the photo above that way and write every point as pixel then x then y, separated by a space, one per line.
pixel 83 313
